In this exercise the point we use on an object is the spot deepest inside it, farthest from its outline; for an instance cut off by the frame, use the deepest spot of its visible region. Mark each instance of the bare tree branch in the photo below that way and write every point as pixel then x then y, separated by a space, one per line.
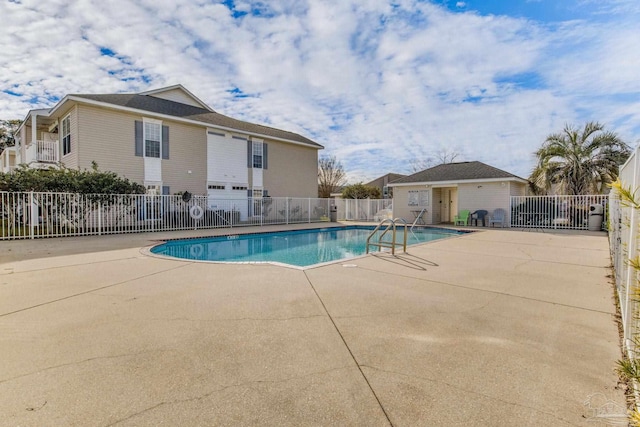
pixel 331 176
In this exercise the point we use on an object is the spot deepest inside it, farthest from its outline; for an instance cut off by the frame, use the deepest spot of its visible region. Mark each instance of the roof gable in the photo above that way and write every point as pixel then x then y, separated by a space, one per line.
pixel 462 171
pixel 177 93
pixel 205 117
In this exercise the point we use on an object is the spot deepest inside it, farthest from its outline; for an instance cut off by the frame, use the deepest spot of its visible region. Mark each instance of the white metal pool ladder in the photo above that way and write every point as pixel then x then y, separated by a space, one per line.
pixel 392 224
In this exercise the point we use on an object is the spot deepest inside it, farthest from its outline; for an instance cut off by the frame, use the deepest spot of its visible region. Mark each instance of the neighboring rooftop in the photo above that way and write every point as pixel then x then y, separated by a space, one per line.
pixel 390 177
pixel 461 171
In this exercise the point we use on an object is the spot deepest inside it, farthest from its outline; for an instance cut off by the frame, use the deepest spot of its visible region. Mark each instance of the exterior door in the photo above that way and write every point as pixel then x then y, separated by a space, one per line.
pixel 448 205
pixel 445 206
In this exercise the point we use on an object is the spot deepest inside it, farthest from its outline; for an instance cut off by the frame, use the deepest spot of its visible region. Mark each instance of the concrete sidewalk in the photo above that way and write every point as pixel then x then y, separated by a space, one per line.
pixel 493 328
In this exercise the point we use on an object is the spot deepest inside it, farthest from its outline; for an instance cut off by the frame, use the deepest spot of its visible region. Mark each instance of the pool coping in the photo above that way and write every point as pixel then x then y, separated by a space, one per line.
pixel 455 233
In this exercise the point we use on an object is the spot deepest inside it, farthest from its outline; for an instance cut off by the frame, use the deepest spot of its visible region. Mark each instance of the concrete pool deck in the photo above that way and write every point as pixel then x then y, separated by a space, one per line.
pixel 493 328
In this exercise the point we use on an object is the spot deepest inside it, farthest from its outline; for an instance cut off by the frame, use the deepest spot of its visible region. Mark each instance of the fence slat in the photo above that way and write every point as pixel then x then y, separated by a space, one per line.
pixel 38 215
pixel 623 242
pixel 585 212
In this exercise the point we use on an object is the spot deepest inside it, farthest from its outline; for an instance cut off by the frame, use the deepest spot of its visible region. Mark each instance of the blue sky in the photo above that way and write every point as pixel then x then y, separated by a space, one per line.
pixel 384 85
pixel 538 10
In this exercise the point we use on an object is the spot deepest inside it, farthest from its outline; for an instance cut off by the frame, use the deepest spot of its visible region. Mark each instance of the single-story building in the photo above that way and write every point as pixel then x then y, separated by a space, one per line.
pixel 437 194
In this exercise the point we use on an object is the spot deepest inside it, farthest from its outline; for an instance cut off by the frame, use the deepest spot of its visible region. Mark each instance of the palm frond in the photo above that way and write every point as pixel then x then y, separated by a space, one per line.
pixel 581 160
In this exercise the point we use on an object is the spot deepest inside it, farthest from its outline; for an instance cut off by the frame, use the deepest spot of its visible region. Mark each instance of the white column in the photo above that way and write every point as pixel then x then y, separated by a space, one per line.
pixel 34 128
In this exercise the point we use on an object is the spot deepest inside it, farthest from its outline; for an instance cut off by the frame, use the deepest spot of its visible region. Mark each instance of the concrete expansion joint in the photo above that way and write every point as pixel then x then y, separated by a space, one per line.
pixel 498 293
pixel 353 357
pixel 237 319
pixel 467 390
pixel 92 290
pixel 56 267
pixel 365 316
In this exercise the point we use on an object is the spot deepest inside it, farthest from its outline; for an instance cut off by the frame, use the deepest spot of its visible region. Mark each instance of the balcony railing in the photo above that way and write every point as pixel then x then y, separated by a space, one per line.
pixel 43 152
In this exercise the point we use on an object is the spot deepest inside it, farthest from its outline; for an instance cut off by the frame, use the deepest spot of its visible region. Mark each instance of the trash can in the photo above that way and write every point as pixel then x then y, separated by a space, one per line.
pixel 596 215
pixel 333 213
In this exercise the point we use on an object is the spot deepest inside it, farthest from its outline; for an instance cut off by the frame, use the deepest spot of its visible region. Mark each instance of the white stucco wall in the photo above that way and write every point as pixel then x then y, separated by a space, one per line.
pixel 470 196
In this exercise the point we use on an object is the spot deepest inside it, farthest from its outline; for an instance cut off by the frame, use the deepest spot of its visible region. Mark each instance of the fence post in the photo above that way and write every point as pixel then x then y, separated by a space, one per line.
pixel 555 204
pixel 329 209
pixel 99 218
pixel 30 216
pixel 309 212
pixel 286 211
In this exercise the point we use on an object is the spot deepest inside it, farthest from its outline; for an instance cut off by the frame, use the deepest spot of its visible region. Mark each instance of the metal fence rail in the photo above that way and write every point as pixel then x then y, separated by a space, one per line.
pixel 34 215
pixel 560 212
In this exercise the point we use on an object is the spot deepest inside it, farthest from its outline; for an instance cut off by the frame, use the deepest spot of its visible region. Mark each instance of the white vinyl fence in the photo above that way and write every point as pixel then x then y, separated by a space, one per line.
pixel 364 209
pixel 623 241
pixel 34 215
pixel 560 212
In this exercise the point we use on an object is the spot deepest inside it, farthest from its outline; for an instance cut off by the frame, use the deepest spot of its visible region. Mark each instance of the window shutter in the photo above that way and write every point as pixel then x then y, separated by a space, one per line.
pixel 165 142
pixel 249 154
pixel 264 155
pixel 139 151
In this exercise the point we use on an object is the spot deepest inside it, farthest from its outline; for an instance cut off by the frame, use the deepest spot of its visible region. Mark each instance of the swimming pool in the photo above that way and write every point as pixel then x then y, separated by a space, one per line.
pixel 300 248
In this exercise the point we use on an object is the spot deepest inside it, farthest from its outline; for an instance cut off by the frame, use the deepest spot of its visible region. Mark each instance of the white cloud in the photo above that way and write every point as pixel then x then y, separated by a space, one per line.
pixel 378 83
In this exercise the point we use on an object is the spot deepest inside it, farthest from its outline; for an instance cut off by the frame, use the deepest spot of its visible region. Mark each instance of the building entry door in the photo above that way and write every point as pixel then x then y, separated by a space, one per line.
pixel 448 204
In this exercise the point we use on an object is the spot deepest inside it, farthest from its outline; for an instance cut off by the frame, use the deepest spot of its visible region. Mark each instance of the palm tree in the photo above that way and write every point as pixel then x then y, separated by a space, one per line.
pixel 580 161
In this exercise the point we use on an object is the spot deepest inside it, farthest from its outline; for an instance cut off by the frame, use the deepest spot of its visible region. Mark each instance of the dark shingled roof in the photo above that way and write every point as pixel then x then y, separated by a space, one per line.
pixel 390 177
pixel 177 109
pixel 456 172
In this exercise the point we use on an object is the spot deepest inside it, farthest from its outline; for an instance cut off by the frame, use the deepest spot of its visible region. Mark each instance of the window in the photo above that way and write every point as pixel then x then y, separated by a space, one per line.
pixel 257 155
pixel 239 187
pixel 424 198
pixel 418 198
pixel 152 139
pixel 66 135
pixel 216 187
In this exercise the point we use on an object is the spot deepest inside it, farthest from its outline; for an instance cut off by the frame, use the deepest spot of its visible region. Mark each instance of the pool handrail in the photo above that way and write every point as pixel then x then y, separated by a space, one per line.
pixel 393 225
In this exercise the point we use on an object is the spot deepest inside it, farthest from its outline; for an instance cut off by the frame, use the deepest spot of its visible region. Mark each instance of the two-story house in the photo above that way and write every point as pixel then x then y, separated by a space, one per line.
pixel 170 141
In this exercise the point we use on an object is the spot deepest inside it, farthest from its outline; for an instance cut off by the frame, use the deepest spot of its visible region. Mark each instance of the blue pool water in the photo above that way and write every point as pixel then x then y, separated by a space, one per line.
pixel 300 248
